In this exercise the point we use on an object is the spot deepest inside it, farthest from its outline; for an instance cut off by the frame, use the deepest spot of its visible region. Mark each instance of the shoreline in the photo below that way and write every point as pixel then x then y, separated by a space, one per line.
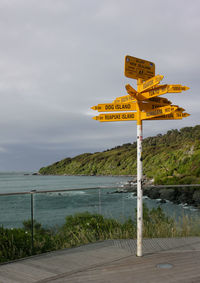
pixel 176 194
pixel 82 175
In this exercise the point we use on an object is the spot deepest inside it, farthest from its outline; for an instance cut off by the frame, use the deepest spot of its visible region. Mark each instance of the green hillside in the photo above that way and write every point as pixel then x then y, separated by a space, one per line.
pixel 172 158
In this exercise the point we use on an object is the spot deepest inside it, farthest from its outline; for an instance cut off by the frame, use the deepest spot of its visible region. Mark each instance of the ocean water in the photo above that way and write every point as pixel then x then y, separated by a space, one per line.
pixel 87 193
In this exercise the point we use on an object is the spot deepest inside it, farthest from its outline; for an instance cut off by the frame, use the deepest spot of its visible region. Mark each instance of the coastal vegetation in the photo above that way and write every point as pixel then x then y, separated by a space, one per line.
pixel 86 228
pixel 172 158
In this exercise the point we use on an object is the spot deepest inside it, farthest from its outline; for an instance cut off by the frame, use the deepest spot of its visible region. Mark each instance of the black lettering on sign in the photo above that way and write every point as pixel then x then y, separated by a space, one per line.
pixel 123 106
pixel 132 63
pixel 155 112
pixel 168 109
pixel 156 99
pixel 112 117
pixel 157 91
pixel 128 116
pixel 131 68
pixel 109 107
pixel 177 88
pixel 115 117
pixel 140 61
pixel 147 84
pixel 169 115
pixel 154 106
pixel 124 99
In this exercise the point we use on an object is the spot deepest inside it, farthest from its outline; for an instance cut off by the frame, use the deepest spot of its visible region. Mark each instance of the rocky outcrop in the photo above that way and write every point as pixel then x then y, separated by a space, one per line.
pixel 179 195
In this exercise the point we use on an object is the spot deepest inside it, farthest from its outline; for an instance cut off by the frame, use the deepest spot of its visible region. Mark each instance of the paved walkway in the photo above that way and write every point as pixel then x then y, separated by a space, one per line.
pixel 164 260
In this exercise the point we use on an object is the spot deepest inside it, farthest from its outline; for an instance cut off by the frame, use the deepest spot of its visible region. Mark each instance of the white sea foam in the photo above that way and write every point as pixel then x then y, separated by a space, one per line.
pixel 131 196
pixel 73 193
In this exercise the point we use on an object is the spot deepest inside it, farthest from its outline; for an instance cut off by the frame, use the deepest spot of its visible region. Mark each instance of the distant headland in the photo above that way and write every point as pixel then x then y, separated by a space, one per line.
pixel 171 158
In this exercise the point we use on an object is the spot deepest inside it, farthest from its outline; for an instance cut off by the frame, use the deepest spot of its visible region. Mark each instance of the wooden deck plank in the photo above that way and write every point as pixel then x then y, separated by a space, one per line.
pixel 111 261
pixel 132 269
pixel 20 272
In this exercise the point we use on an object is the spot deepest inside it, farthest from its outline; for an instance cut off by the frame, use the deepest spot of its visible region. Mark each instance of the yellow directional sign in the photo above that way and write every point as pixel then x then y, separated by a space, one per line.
pixel 150 105
pixel 182 115
pixel 129 98
pixel 115 107
pixel 149 94
pixel 154 92
pixel 160 100
pixel 116 117
pixel 136 68
pixel 158 112
pixel 172 116
pixel 132 116
pixel 125 98
pixel 180 109
pixel 131 91
pixel 131 106
pixel 177 88
pixel 150 83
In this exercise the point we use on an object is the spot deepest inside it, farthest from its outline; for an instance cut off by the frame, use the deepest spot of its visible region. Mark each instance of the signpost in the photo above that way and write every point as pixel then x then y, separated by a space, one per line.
pixel 148 107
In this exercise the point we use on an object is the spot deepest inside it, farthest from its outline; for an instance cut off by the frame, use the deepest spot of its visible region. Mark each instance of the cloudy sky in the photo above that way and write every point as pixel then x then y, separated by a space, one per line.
pixel 60 57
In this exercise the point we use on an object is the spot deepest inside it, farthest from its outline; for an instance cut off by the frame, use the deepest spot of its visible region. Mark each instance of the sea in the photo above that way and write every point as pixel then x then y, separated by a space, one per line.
pixel 50 199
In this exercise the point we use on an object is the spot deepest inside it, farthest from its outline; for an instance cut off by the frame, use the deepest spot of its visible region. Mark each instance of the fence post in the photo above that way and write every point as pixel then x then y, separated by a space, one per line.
pixel 32 220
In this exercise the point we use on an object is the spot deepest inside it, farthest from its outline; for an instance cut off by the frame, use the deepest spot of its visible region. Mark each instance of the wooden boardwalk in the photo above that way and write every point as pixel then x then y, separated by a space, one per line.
pixel 164 260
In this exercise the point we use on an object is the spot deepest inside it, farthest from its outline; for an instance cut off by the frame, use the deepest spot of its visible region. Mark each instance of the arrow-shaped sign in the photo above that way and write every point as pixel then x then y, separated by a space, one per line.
pixel 160 90
pixel 157 91
pixel 125 98
pixel 131 91
pixel 158 112
pixel 177 88
pixel 160 100
pixel 173 116
pixel 150 83
pixel 151 106
pixel 129 98
pixel 131 106
pixel 116 117
pixel 115 107
pixel 130 116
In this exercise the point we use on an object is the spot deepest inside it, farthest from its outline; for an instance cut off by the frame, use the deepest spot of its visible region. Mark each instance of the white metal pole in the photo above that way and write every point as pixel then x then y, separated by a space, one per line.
pixel 139 190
